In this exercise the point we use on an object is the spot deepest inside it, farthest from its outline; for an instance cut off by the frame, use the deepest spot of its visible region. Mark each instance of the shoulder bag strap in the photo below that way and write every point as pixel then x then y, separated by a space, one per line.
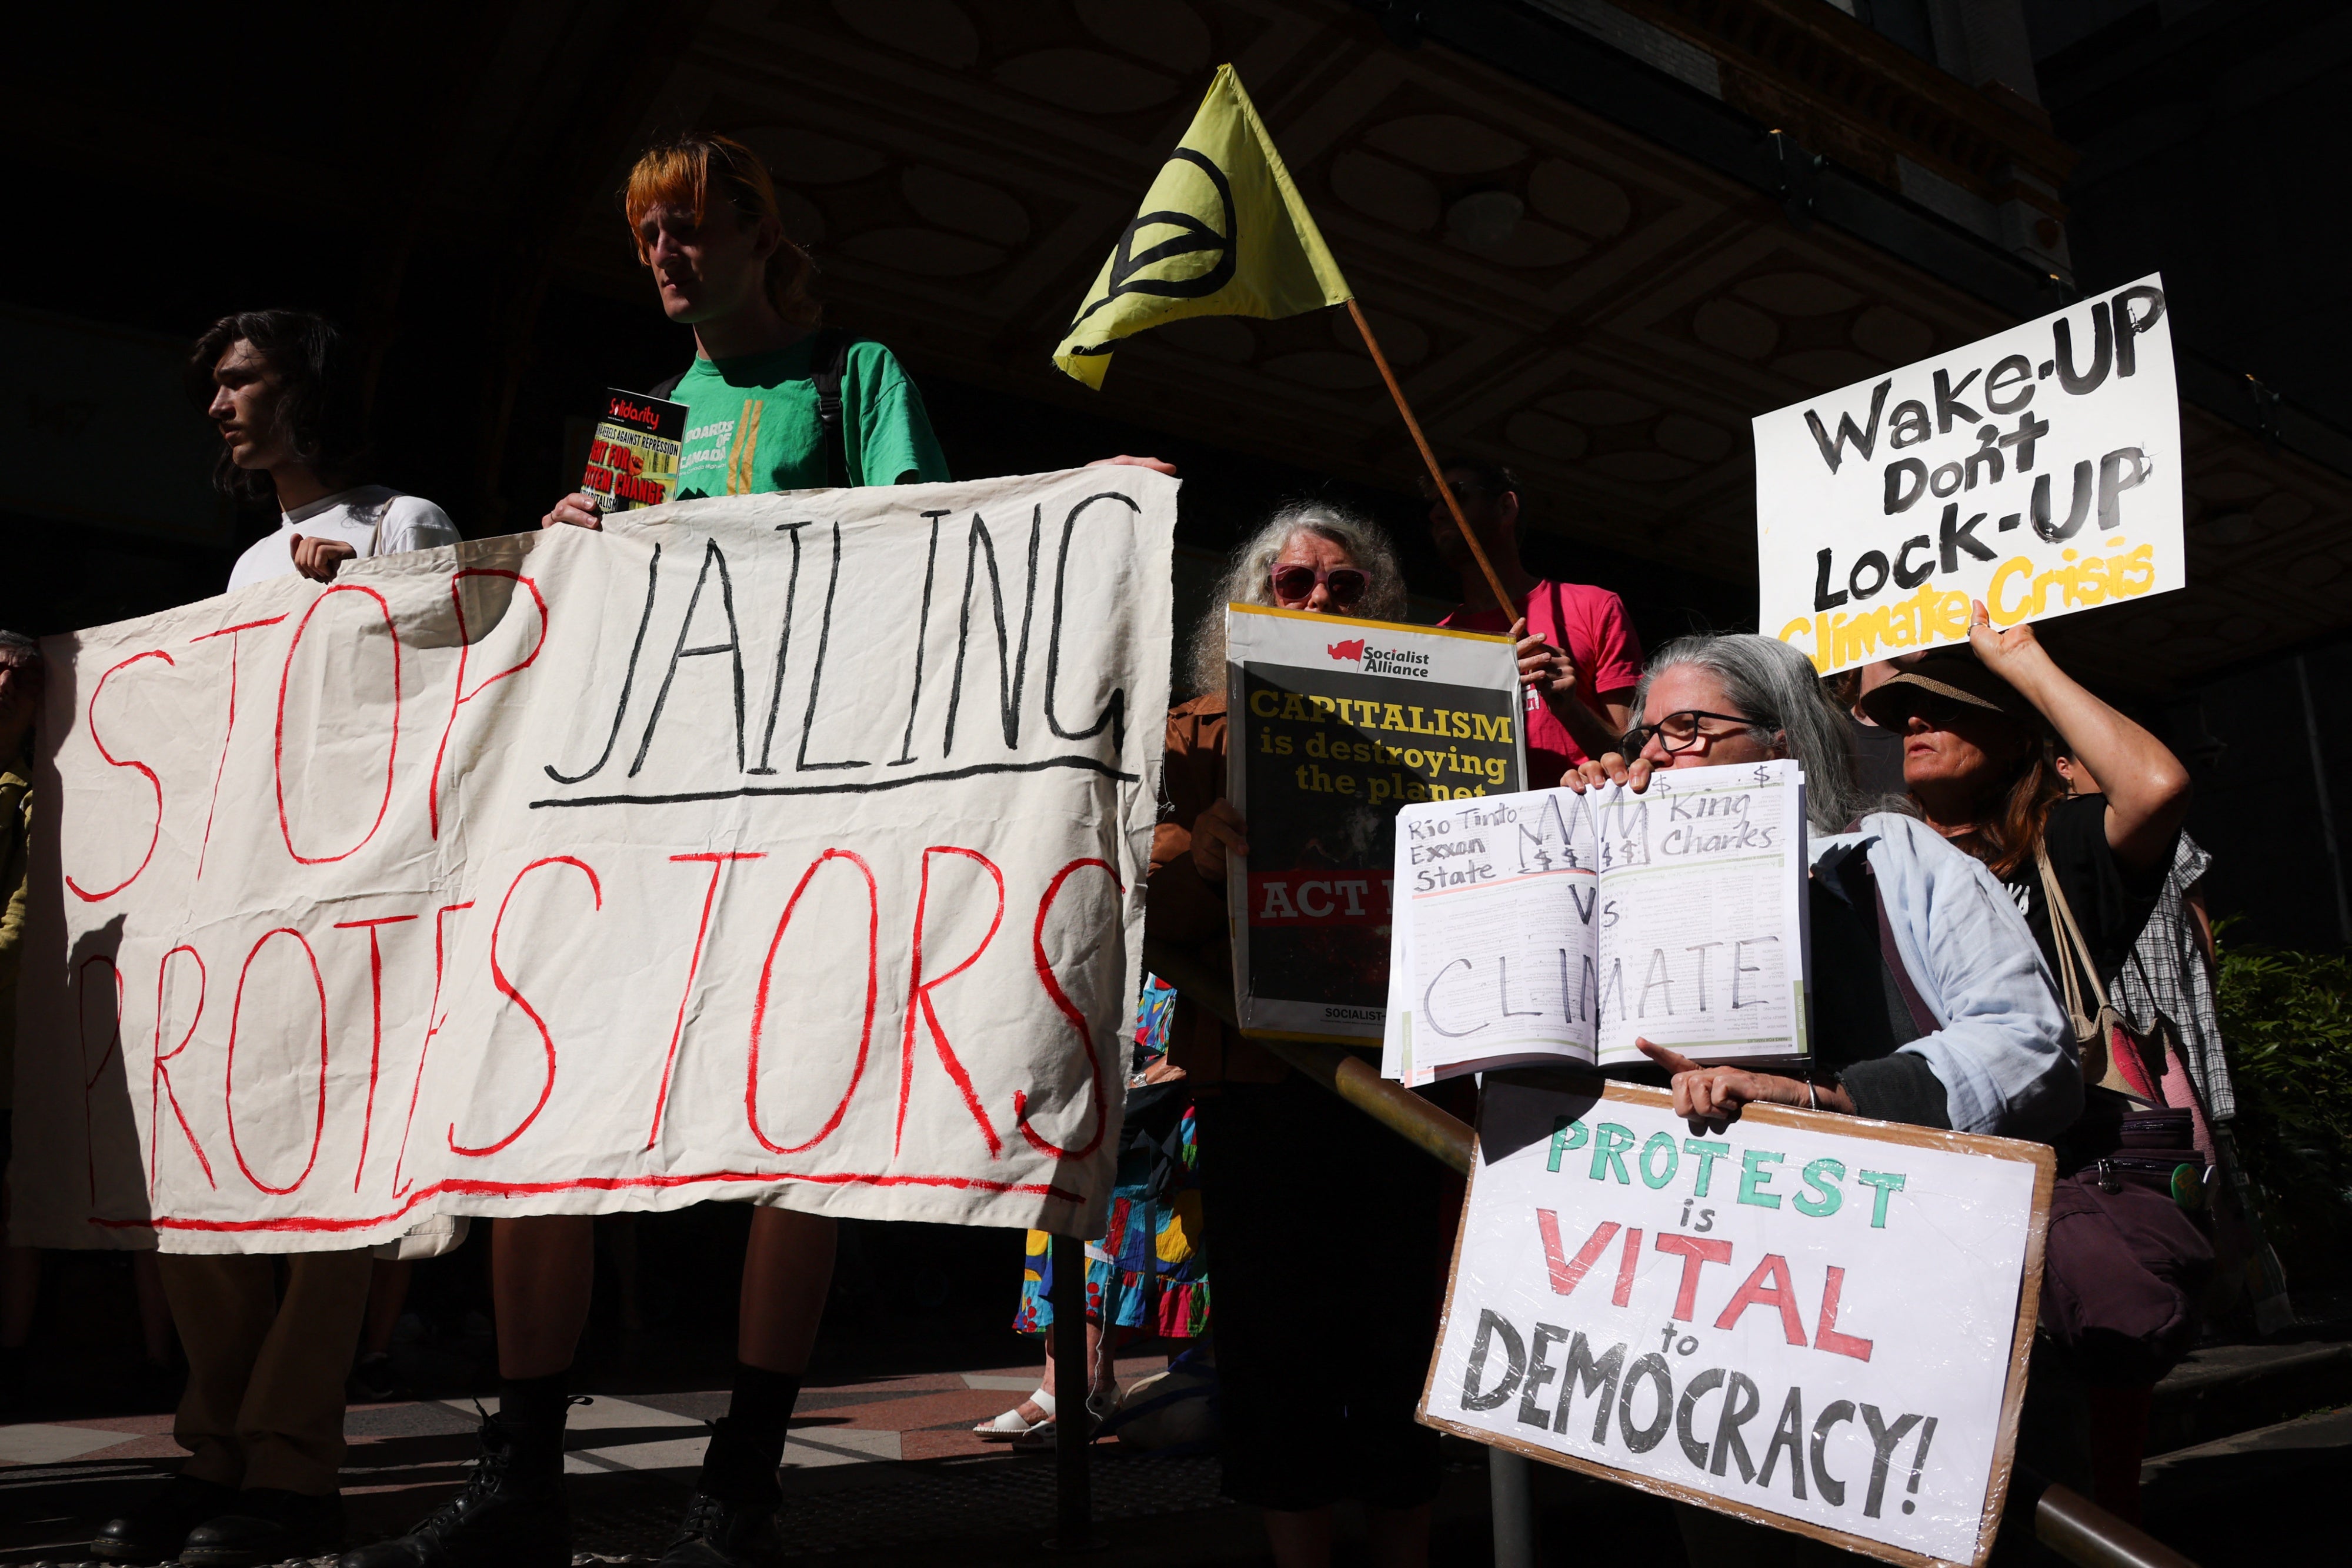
pixel 1923 1017
pixel 2061 919
pixel 2070 948
pixel 662 389
pixel 829 356
pixel 2102 1029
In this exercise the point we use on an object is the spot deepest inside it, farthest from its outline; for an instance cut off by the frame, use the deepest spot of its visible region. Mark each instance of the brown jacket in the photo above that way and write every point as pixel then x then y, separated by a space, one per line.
pixel 1184 908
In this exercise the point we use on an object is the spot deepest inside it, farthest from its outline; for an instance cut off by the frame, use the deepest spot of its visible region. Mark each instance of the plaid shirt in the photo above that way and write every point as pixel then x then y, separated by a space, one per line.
pixel 2167 974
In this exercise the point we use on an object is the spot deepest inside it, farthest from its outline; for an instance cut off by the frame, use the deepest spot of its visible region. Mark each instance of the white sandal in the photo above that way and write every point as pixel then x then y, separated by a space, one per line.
pixel 1011 1425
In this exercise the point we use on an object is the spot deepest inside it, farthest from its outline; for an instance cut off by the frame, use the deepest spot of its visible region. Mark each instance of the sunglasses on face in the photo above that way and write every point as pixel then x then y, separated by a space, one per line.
pixel 1680 733
pixel 1295 584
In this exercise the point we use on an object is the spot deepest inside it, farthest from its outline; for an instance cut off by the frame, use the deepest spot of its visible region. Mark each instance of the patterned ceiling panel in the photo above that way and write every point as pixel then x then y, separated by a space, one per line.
pixel 1554 290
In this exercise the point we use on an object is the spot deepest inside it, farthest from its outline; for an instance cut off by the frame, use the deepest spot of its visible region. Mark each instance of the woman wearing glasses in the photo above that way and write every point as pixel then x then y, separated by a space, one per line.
pixel 1976 724
pixel 2000 1059
pixel 1941 1016
pixel 1329 1234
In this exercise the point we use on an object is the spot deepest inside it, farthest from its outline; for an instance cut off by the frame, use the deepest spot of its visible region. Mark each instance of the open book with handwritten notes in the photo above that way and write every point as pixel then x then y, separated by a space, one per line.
pixel 1549 926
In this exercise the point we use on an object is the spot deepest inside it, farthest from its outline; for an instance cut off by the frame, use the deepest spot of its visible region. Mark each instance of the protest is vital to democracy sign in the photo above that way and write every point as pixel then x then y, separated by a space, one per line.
pixel 1815 1322
pixel 787 847
pixel 2037 471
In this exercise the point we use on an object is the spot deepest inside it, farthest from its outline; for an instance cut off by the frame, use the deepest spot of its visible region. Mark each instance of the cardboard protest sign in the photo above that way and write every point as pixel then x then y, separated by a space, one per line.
pixel 1334 724
pixel 2038 469
pixel 1815 1322
pixel 786 847
pixel 1560 926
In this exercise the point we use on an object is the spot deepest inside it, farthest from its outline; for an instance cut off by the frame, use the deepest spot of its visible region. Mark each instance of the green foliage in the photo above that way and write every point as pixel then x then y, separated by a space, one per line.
pixel 2287 1022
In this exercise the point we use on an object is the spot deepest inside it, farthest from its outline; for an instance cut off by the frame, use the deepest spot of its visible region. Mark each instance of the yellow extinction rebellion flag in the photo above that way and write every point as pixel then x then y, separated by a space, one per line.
pixel 1222 232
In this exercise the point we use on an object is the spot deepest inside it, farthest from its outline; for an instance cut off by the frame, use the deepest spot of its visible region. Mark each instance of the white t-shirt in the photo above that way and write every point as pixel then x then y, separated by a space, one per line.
pixel 372 520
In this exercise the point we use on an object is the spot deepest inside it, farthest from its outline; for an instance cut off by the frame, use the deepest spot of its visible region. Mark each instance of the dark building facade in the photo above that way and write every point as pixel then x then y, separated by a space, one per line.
pixel 1597 236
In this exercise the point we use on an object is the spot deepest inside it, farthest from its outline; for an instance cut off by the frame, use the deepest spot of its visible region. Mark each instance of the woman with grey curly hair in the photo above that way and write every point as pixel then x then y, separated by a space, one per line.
pixel 1370 586
pixel 1317 1377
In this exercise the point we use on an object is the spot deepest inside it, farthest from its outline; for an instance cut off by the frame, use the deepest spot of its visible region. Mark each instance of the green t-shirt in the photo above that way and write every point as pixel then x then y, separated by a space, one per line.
pixel 752 425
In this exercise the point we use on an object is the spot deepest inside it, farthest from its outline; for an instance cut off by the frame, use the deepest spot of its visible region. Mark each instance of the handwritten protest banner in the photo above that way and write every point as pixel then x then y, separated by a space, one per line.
pixel 1815 1322
pixel 1560 925
pixel 1335 723
pixel 2038 469
pixel 786 847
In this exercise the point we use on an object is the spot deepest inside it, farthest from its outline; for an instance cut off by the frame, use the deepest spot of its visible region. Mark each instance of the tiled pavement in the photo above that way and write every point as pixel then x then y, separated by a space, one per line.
pixel 875 1464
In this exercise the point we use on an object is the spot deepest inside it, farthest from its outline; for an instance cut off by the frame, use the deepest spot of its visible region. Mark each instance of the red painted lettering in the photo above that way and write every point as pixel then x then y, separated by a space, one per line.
pixel 506 989
pixel 1697 1252
pixel 392 756
pixel 1566 1272
pixel 1627 1263
pixel 918 1000
pixel 236 646
pixel 866 1031
pixel 90 718
pixel 718 864
pixel 375 1030
pixel 1068 1010
pixel 228 1087
pixel 1828 1338
pixel 1770 1286
pixel 432 1022
pixel 458 695
pixel 159 1077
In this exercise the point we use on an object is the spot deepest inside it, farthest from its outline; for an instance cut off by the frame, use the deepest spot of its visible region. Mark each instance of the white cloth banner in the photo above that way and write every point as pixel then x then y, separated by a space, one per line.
pixel 2037 469
pixel 783 847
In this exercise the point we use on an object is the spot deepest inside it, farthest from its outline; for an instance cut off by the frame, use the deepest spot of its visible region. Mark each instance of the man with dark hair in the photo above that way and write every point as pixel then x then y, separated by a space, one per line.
pixel 284 388
pixel 262 1419
pixel 1578 658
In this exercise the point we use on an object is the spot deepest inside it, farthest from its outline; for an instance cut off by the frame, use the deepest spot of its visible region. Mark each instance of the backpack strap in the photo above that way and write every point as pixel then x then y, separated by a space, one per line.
pixel 829 357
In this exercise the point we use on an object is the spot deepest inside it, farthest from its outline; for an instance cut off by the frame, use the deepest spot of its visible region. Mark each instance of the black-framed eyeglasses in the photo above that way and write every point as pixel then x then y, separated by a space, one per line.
pixel 1680 733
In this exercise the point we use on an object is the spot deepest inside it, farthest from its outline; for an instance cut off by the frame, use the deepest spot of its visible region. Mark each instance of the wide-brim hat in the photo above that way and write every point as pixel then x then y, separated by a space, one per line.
pixel 1957 675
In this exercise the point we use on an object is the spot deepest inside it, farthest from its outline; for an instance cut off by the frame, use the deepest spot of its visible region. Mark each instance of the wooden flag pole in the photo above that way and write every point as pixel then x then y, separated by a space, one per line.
pixel 1502 601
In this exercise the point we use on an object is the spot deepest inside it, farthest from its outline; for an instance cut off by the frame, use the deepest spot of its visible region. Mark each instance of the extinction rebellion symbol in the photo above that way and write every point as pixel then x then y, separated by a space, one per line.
pixel 1193 237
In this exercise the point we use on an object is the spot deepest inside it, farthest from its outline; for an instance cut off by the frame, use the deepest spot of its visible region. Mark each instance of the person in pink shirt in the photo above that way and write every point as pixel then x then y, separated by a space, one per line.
pixel 1578 658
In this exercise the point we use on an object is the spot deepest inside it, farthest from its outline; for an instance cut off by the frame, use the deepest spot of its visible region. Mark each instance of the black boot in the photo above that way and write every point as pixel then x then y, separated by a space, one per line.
pixel 731 1521
pixel 155 1532
pixel 511 1514
pixel 267 1525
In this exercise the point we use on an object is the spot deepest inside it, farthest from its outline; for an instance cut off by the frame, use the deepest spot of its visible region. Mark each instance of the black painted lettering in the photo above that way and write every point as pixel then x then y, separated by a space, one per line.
pixel 1491 1327
pixel 1012 663
pixel 1833 452
pixel 2130 325
pixel 1114 710
pixel 783 644
pixel 2016 371
pixel 628 678
pixel 2102 350
pixel 2054 533
pixel 712 556
pixel 816 674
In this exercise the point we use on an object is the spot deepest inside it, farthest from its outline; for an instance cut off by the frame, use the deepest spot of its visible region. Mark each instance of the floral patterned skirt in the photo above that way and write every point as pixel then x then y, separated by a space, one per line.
pixel 1149 1274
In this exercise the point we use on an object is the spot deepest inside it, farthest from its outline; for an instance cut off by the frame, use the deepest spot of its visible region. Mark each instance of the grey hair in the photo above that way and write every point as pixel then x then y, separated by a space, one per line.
pixel 1248 580
pixel 1774 686
pixel 17 647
